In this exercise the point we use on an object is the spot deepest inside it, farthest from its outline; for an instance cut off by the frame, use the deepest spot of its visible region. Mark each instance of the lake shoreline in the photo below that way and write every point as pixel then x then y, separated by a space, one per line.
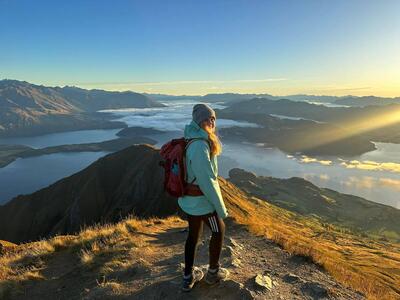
pixel 109 145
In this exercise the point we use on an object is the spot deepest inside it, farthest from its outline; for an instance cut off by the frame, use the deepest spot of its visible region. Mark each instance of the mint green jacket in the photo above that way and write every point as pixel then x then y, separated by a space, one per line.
pixel 199 165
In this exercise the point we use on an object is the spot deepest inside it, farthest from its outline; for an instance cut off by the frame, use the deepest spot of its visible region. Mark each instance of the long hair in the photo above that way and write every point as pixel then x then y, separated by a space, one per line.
pixel 215 143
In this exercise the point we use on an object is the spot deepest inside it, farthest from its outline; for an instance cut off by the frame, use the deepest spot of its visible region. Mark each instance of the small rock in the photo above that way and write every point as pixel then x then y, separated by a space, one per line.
pixel 229 251
pixel 315 290
pixel 291 278
pixel 253 294
pixel 235 244
pixel 264 281
pixel 236 262
pixel 201 243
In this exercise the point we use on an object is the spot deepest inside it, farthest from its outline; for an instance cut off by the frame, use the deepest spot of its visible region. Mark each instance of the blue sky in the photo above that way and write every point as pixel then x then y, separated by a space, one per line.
pixel 200 47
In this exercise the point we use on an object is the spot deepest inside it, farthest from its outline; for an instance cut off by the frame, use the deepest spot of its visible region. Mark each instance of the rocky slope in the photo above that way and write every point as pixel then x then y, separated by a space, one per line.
pixel 144 260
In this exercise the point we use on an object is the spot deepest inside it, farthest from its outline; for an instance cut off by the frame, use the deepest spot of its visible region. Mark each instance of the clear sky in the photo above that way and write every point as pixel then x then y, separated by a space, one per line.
pixel 199 47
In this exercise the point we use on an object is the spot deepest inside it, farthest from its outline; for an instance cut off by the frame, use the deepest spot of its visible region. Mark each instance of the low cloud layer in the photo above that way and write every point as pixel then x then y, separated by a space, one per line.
pixel 366 165
pixel 306 159
pixel 371 165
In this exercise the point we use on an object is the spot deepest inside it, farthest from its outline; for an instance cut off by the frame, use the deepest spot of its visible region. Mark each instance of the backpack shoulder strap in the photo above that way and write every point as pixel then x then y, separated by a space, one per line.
pixel 197 139
pixel 190 141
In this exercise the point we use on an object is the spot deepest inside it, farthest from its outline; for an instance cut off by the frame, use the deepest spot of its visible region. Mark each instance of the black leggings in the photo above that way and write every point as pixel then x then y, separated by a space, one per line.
pixel 217 227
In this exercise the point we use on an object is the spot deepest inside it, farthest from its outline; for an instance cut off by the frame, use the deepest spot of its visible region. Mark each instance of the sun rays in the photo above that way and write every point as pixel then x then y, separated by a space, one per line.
pixel 352 128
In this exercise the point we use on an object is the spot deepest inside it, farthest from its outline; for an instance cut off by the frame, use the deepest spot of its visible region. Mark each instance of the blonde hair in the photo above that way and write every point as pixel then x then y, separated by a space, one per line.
pixel 215 143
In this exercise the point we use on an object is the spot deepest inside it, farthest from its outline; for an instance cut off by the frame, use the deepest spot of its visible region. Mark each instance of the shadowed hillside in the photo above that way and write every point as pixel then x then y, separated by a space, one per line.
pixel 112 187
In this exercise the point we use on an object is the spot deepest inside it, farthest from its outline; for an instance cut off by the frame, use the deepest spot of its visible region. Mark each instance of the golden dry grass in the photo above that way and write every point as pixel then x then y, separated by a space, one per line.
pixel 368 266
pixel 115 242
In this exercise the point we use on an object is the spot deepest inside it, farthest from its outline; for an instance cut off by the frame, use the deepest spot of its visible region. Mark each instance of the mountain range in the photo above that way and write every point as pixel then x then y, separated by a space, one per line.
pixel 293 136
pixel 367 101
pixel 28 109
pixel 370 123
pixel 319 99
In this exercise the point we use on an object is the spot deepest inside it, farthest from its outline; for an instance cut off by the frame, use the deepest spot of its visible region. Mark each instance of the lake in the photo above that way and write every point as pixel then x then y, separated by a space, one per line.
pixel 374 175
pixel 27 175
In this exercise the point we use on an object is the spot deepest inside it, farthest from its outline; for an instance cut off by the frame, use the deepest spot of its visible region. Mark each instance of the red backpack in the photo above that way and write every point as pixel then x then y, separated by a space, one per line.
pixel 174 153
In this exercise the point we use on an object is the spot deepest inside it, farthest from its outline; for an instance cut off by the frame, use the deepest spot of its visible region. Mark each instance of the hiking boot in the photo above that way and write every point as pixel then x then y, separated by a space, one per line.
pixel 217 276
pixel 188 283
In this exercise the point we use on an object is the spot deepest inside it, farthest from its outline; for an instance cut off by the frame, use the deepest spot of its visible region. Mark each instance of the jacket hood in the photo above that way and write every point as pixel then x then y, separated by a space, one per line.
pixel 193 130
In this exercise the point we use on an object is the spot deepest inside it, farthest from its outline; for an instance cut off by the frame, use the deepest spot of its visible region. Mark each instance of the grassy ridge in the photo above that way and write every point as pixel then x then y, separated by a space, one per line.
pixel 99 252
pixel 351 213
pixel 369 266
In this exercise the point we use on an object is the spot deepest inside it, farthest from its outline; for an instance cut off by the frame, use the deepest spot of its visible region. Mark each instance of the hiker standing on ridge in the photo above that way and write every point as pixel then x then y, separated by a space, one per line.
pixel 208 206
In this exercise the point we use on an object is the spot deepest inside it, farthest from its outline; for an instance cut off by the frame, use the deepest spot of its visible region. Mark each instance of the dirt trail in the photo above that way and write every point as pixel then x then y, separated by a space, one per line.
pixel 155 272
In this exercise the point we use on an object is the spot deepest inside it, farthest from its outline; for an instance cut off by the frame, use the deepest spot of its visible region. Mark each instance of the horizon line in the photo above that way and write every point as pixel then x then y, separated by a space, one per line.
pixel 83 84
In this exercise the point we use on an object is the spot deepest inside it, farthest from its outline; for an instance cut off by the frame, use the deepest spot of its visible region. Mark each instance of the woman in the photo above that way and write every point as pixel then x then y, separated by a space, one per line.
pixel 202 170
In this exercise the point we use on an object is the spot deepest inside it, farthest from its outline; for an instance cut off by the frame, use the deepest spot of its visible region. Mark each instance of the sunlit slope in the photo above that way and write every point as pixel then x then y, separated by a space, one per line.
pixel 349 212
pixel 370 266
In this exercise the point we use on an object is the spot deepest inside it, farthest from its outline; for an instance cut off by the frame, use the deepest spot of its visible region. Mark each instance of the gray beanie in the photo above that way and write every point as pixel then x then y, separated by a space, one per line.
pixel 202 112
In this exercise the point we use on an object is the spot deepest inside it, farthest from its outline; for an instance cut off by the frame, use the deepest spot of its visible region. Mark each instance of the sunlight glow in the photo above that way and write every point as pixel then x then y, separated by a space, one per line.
pixel 352 128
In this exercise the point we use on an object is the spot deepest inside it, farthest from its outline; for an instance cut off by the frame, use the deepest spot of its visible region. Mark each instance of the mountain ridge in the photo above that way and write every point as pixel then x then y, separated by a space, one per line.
pixel 111 179
pixel 370 123
pixel 301 196
pixel 28 109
